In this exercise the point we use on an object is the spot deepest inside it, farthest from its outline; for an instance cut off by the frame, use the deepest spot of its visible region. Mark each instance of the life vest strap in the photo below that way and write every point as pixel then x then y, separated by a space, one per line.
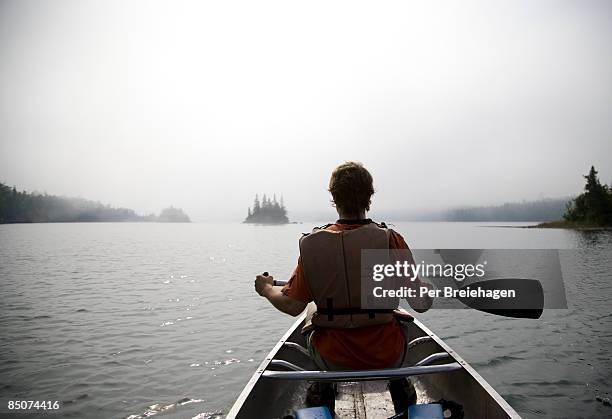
pixel 351 310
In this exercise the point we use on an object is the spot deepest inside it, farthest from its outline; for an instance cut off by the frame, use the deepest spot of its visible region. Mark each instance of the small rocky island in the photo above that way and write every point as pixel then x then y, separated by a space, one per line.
pixel 268 211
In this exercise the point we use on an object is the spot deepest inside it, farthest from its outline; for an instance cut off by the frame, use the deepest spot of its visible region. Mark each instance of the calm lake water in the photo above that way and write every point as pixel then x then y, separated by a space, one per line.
pixel 119 320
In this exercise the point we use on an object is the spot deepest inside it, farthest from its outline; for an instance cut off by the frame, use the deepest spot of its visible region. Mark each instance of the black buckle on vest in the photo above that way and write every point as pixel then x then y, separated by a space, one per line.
pixel 353 310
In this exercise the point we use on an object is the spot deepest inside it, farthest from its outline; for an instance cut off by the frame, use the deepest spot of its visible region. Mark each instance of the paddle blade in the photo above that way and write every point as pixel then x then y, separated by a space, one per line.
pixel 527 303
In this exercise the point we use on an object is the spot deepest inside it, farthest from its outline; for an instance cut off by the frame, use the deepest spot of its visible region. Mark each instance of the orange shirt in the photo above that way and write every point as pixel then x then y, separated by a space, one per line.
pixel 360 348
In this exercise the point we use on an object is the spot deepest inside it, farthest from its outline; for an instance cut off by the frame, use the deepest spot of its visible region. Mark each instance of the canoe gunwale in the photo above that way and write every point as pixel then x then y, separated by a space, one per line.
pixel 244 394
pixel 471 371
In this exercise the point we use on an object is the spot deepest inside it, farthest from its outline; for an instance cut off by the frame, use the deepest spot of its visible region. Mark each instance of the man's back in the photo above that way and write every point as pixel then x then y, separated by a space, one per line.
pixel 376 346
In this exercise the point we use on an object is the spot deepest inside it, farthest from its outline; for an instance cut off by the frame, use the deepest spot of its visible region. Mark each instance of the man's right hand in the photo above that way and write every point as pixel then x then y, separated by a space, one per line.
pixel 263 284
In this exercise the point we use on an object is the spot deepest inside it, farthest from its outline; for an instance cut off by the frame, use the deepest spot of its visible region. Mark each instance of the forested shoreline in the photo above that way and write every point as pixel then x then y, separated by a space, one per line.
pixel 23 207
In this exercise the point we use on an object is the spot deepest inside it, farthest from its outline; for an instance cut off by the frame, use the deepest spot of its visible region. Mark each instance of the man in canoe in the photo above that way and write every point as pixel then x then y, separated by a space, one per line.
pixel 339 335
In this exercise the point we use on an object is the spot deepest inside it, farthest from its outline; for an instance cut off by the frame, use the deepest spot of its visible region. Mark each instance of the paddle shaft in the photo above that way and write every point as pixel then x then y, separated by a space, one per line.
pixel 277 283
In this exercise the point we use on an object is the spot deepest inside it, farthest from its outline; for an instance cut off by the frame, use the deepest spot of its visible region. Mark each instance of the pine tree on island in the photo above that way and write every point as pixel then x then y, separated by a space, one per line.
pixel 268 211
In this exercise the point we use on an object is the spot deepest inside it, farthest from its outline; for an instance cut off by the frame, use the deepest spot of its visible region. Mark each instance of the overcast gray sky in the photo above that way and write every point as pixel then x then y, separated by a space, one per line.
pixel 203 104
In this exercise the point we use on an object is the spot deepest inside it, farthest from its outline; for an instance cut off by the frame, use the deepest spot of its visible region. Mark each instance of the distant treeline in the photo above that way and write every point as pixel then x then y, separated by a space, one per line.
pixel 542 210
pixel 23 207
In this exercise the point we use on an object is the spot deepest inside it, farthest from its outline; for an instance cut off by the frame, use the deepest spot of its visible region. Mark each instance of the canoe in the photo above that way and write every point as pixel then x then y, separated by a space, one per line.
pixel 278 387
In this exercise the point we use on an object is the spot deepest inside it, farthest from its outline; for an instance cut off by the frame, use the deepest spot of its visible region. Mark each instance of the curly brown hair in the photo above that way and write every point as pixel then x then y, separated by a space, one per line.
pixel 351 186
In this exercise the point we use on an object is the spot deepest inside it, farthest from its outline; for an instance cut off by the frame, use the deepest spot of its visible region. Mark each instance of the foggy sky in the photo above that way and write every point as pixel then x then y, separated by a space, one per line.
pixel 203 104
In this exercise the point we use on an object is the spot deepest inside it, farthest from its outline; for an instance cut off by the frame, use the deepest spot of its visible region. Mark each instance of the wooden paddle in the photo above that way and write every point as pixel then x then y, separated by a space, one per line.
pixel 528 302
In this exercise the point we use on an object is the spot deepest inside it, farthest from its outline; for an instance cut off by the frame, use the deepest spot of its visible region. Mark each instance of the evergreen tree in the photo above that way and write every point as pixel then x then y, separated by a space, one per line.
pixel 256 204
pixel 12 215
pixel 594 206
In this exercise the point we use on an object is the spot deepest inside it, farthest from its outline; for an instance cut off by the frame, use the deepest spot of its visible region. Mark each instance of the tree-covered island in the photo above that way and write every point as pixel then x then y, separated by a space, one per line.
pixel 592 209
pixel 23 207
pixel 173 215
pixel 268 211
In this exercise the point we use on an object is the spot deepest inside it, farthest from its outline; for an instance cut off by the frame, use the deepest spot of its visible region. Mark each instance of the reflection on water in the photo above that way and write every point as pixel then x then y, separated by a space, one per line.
pixel 134 320
pixel 159 408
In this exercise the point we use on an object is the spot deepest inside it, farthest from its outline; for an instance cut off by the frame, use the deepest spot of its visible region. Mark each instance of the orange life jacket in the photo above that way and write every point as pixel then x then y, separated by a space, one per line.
pixel 332 268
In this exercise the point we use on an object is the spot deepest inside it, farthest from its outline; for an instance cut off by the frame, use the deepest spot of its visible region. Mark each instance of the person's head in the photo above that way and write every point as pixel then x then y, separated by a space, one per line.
pixel 351 188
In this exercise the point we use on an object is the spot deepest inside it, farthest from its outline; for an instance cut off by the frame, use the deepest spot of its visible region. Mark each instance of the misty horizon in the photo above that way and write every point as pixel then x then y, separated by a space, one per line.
pixel 306 215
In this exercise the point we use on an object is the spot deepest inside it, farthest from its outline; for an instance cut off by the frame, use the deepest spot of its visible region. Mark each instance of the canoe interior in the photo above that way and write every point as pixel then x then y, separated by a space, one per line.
pixel 275 398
